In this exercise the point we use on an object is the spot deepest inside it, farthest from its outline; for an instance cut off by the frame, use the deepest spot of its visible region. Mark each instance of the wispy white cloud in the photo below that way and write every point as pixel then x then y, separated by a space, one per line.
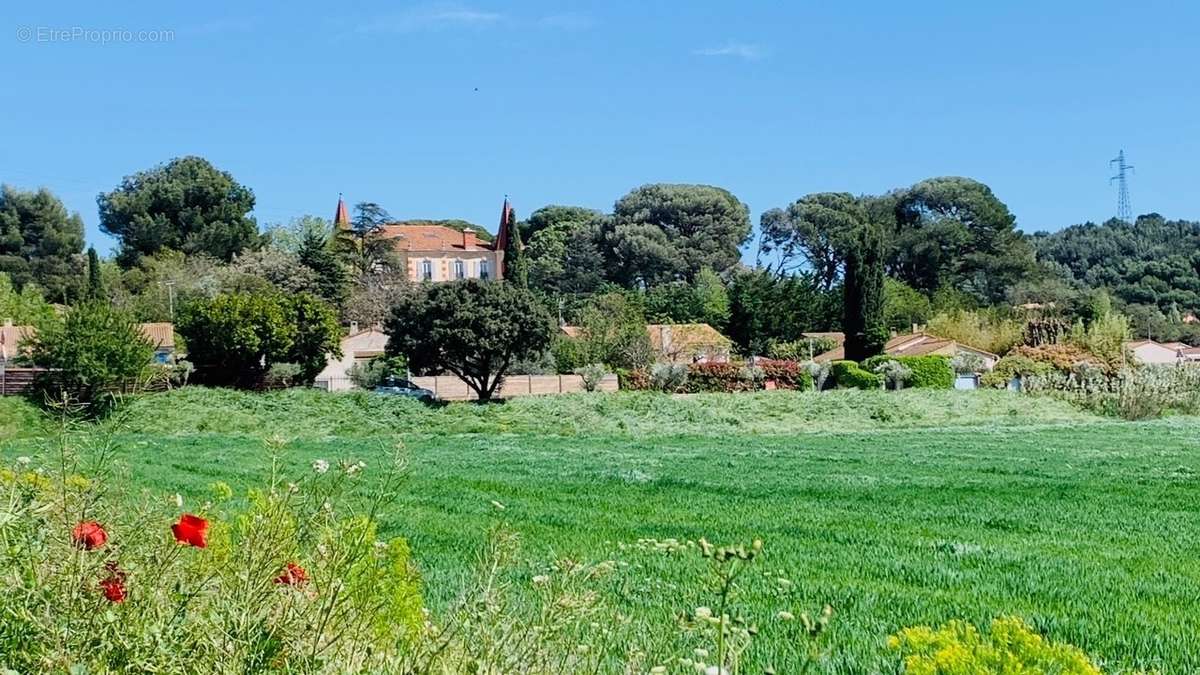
pixel 567 21
pixel 737 50
pixel 430 17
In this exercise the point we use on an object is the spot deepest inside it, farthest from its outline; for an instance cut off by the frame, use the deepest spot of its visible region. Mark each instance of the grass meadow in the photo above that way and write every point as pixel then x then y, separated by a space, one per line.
pixel 895 509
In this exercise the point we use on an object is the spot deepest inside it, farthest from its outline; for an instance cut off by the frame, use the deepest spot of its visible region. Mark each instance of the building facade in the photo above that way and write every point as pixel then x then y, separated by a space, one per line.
pixel 434 252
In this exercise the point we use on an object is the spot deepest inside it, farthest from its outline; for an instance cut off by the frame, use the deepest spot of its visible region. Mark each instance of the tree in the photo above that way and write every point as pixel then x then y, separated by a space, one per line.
pixel 612 331
pixel 235 338
pixel 95 285
pixel 315 254
pixel 661 233
pixel 373 296
pixel 516 268
pixel 954 232
pixel 810 235
pixel 562 252
pixel 93 352
pixel 290 238
pixel 863 319
pixel 704 301
pixel 186 205
pixel 765 308
pixel 24 308
pixel 363 246
pixel 904 306
pixel 472 328
pixel 40 243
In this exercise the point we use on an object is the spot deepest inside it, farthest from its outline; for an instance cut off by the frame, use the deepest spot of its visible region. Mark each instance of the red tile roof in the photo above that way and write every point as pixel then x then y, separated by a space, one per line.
pixel 430 238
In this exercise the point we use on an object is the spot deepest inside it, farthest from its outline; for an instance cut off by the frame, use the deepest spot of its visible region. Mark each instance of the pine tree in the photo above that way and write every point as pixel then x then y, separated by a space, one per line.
pixel 95 286
pixel 315 254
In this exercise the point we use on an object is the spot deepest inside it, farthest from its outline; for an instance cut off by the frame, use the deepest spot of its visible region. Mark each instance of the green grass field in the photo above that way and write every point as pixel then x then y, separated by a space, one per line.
pixel 896 509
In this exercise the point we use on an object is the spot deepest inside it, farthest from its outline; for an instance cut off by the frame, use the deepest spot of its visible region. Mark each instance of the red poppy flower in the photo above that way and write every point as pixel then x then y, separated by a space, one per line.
pixel 191 530
pixel 89 535
pixel 114 584
pixel 293 575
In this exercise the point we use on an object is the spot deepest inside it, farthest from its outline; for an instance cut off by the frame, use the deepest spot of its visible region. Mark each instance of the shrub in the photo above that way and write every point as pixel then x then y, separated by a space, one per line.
pixel 570 354
pixel 925 372
pixel 849 375
pixel 1130 393
pixel 984 329
pixel 373 373
pixel 895 374
pixel 786 374
pixel 592 375
pixel 283 375
pixel 1104 338
pixel 668 377
pixel 1010 646
pixel 634 380
pixel 967 363
pixel 1013 365
pixel 818 373
pixel 718 377
pixel 92 354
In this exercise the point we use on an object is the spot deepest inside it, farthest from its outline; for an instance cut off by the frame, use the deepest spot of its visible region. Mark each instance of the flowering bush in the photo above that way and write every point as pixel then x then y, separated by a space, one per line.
pixel 958 648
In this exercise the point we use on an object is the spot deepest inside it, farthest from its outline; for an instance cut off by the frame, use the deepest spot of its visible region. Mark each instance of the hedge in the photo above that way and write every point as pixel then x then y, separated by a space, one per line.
pixel 731 377
pixel 928 372
pixel 849 375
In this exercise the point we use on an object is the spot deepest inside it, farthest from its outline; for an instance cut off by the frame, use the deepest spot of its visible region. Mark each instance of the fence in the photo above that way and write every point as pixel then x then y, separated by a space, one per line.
pixel 450 388
pixel 14 381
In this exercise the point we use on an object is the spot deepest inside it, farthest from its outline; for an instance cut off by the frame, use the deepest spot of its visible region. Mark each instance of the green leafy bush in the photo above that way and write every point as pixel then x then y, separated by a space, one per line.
pixel 849 375
pixel 592 375
pixel 372 373
pixel 927 372
pixel 1010 646
pixel 235 338
pixel 1013 365
pixel 1137 393
pixel 668 377
pixel 803 349
pixel 94 352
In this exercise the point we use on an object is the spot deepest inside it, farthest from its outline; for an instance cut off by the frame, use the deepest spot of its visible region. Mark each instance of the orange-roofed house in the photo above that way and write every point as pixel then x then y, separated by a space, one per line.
pixel 681 342
pixel 918 344
pixel 431 251
pixel 161 335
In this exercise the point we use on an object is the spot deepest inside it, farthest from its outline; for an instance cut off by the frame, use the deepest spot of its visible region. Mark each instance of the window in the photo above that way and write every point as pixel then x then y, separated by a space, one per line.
pixel 427 270
pixel 460 269
pixel 483 269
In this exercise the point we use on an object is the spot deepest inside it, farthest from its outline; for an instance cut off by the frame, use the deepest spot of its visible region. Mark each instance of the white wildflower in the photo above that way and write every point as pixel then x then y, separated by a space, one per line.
pixel 178 500
pixel 541 579
pixel 23 460
pixel 701 652
pixel 320 466
pixel 715 670
pixel 703 612
pixel 498 505
pixel 658 670
pixel 786 616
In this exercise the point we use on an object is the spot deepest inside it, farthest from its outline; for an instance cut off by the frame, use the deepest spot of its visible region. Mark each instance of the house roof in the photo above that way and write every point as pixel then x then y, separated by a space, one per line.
pixel 162 334
pixel 913 344
pixel 420 238
pixel 682 336
pixel 685 336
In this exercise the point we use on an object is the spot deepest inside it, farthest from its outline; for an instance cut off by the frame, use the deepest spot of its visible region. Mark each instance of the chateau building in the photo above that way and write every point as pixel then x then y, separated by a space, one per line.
pixel 434 252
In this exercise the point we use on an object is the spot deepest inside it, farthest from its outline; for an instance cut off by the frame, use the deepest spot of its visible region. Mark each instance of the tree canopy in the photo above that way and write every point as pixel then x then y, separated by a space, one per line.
pixel 662 232
pixel 472 328
pixel 41 243
pixel 185 205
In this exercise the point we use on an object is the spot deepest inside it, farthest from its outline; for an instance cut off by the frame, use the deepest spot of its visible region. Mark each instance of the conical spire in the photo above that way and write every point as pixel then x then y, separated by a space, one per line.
pixel 341 219
pixel 502 234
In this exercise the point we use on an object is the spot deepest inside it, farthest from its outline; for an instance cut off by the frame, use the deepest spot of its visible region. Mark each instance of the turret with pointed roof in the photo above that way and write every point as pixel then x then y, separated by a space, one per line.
pixel 503 234
pixel 341 219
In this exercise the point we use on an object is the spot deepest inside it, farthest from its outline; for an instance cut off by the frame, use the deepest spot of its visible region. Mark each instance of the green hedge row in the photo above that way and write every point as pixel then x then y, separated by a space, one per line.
pixel 928 372
pixel 850 375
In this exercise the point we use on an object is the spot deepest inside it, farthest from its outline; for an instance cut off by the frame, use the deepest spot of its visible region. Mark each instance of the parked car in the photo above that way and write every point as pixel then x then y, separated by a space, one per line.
pixel 394 386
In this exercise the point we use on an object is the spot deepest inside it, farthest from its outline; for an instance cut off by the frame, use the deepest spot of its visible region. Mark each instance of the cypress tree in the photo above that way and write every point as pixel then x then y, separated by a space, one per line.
pixel 316 255
pixel 863 319
pixel 95 285
pixel 515 268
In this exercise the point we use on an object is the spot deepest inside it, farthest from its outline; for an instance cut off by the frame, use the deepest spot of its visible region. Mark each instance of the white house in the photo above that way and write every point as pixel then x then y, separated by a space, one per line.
pixel 359 346
pixel 1151 352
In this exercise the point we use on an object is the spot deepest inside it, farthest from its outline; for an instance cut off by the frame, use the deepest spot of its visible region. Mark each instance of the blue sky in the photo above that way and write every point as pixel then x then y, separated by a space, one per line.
pixel 438 109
